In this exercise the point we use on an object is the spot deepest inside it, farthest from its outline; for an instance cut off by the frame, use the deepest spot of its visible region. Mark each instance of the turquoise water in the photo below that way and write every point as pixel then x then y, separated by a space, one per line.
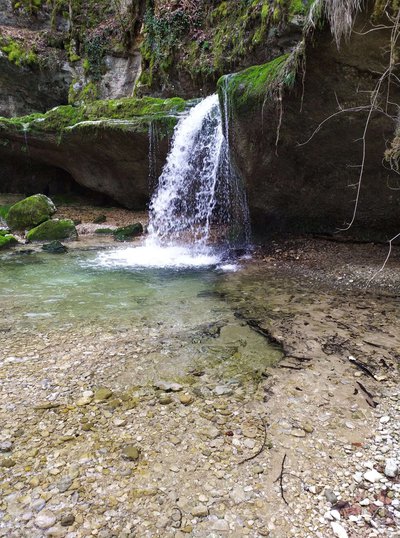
pixel 179 316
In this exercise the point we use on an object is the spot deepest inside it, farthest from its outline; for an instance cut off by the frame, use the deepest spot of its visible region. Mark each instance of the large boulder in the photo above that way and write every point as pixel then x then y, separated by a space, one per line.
pixel 297 136
pixel 52 230
pixel 109 147
pixel 30 212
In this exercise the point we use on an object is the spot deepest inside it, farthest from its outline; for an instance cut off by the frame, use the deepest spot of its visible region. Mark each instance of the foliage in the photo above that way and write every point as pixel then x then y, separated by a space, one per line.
pixel 30 6
pixel 16 53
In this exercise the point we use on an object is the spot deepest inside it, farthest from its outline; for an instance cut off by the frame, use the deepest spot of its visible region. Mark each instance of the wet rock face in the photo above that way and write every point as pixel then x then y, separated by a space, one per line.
pixel 312 187
pixel 30 89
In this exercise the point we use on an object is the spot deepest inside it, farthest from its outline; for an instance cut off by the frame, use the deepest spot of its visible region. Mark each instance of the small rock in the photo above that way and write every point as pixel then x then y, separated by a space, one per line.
pixel 391 468
pixel 167 386
pixel 220 525
pixel 384 420
pixel 338 530
pixel 330 496
pixel 307 427
pixel 372 476
pixel 200 511
pixel 7 463
pixel 298 433
pixel 6 446
pixel 185 399
pixel 335 514
pixel 67 520
pixel 64 484
pixel 102 394
pixel 131 453
pixel 365 502
pixel 238 495
pixel 45 519
pixel 119 422
pixel 165 399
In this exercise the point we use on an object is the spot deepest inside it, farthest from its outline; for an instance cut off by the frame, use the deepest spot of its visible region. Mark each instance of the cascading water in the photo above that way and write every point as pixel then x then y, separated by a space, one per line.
pixel 197 186
pixel 200 202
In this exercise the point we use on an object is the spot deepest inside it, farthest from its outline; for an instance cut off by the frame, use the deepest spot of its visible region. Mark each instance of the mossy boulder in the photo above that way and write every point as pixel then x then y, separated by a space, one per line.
pixel 52 230
pixel 30 212
pixel 128 232
pixel 7 241
pixel 55 247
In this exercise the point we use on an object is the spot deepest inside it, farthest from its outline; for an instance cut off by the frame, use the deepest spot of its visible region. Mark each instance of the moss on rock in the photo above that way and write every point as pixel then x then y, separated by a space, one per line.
pixel 7 241
pixel 52 230
pixel 30 212
pixel 249 88
pixel 128 232
pixel 64 117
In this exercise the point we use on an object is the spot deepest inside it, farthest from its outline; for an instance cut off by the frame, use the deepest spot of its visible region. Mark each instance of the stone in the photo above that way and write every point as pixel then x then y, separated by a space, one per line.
pixel 102 394
pixel 384 419
pixel 127 233
pixel 55 247
pixel 167 386
pixel 52 230
pixel 45 519
pixel 64 484
pixel 307 427
pixel 7 241
pixel 131 453
pixel 238 495
pixel 298 433
pixel 330 496
pixel 7 463
pixel 372 476
pixel 165 399
pixel 338 530
pixel 6 446
pixel 391 468
pixel 199 511
pixel 185 399
pixel 30 212
pixel 67 520
pixel 99 219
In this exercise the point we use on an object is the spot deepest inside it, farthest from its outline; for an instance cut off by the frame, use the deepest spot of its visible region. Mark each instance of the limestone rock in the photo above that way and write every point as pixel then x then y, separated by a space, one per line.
pixel 53 230
pixel 30 212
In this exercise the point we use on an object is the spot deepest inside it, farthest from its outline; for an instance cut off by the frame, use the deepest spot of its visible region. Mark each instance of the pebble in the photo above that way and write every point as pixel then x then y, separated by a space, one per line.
pixel 45 520
pixel 102 394
pixel 199 511
pixel 6 446
pixel 391 468
pixel 185 399
pixel 167 386
pixel 338 530
pixel 330 496
pixel 131 453
pixel 67 520
pixel 372 476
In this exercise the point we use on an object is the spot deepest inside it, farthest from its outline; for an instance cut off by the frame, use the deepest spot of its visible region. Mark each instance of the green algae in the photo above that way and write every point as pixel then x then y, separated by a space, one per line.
pixel 63 117
pixel 52 230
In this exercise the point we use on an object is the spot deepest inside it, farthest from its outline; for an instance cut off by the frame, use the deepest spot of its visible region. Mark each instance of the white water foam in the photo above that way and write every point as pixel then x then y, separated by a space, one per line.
pixel 156 257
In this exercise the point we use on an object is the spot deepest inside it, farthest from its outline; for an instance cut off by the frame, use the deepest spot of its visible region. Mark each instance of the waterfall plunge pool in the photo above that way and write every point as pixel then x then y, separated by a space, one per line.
pixel 99 303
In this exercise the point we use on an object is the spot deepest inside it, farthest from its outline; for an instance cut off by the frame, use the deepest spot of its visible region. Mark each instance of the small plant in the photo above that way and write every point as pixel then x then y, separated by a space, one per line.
pixel 16 54
pixel 30 6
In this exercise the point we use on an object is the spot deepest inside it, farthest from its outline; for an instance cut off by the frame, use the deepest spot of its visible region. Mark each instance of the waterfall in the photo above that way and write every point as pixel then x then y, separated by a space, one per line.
pixel 198 187
pixel 199 203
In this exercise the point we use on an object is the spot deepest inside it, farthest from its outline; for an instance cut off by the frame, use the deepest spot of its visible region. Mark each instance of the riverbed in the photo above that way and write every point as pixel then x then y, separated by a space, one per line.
pixel 248 400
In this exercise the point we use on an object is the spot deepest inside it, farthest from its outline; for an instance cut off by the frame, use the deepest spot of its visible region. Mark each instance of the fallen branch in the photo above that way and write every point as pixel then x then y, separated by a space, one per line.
pixel 280 478
pixel 262 446
pixel 362 367
pixel 369 397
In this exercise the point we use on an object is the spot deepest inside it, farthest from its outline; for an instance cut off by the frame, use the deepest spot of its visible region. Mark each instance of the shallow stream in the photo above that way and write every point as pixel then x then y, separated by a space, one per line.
pixel 177 318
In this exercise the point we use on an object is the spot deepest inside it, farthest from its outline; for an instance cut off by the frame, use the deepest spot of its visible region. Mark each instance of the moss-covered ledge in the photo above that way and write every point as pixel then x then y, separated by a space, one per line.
pixel 137 111
pixel 103 145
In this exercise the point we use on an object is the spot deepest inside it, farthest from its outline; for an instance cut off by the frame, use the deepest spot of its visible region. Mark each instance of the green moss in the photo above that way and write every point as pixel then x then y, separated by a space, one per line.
pixel 30 212
pixel 16 53
pixel 53 230
pixel 249 87
pixel 128 232
pixel 4 209
pixel 139 112
pixel 7 241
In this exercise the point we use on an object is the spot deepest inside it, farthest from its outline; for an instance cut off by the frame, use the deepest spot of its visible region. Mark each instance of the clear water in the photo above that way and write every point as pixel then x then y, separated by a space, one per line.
pixel 171 313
